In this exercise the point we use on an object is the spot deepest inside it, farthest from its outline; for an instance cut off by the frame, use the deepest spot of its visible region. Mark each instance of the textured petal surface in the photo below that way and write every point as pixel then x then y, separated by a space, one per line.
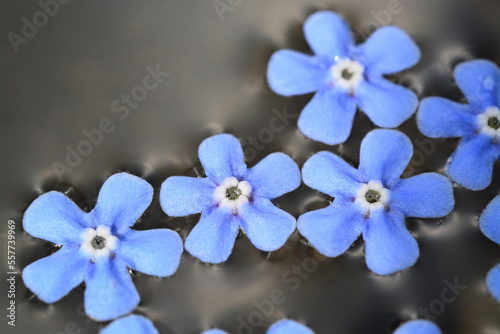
pixel 293 73
pixel 122 200
pixel 328 116
pixel 471 165
pixel 388 50
pixel 479 80
pixel 273 176
pixel 389 247
pixel 489 222
pixel 384 155
pixel 182 195
pixel 426 195
pixel 153 252
pixel 386 104
pixel 55 218
pixel 328 34
pixel 493 282
pixel 212 239
pixel 418 327
pixel 222 157
pixel 332 230
pixel 286 326
pixel 132 324
pixel 110 292
pixel 267 226
pixel 54 276
pixel 441 118
pixel 331 175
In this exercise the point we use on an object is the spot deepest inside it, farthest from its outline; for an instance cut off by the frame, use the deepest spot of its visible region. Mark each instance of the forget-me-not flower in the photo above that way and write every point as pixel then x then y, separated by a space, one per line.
pixel 230 197
pixel 476 123
pixel 345 76
pixel 373 201
pixel 490 225
pixel 418 327
pixel 99 247
pixel 131 324
pixel 284 326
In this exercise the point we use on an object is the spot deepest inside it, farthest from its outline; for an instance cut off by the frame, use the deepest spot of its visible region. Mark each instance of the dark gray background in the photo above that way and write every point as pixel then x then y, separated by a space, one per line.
pixel 64 80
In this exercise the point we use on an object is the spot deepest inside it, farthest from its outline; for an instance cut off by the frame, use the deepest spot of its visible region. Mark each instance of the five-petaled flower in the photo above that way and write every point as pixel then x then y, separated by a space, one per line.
pixel 418 327
pixel 477 123
pixel 131 324
pixel 373 200
pixel 345 76
pixel 284 326
pixel 230 197
pixel 97 247
pixel 490 226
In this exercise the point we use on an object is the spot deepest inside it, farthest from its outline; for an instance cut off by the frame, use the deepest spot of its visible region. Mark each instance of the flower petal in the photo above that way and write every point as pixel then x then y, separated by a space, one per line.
pixel 471 165
pixel 328 34
pixel 122 200
pixel 333 229
pixel 389 247
pixel 331 175
pixel 273 176
pixel 55 218
pixel 267 226
pixel 388 50
pixel 489 223
pixel 286 326
pixel 479 80
pixel 132 324
pixel 294 73
pixel 182 195
pixel 386 104
pixel 212 239
pixel 153 252
pixel 214 331
pixel 418 327
pixel 328 116
pixel 493 282
pixel 54 276
pixel 384 155
pixel 110 292
pixel 222 157
pixel 441 118
pixel 426 195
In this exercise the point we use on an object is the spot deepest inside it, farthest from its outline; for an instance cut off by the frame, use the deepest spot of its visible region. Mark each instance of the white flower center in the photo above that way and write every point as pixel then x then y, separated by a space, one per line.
pixel 232 194
pixel 98 242
pixel 489 122
pixel 347 73
pixel 373 195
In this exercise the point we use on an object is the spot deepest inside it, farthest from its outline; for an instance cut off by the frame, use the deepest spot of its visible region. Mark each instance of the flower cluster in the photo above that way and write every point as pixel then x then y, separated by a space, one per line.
pixel 100 247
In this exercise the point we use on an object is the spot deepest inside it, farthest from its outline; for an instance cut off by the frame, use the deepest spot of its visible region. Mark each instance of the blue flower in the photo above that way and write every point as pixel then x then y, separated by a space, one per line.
pixel 418 327
pixel 373 201
pixel 344 76
pixel 284 326
pixel 490 226
pixel 132 324
pixel 230 197
pixel 97 247
pixel 476 123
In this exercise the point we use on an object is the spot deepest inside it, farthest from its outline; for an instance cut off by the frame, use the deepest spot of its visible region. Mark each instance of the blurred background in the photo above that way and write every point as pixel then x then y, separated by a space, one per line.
pixel 88 89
